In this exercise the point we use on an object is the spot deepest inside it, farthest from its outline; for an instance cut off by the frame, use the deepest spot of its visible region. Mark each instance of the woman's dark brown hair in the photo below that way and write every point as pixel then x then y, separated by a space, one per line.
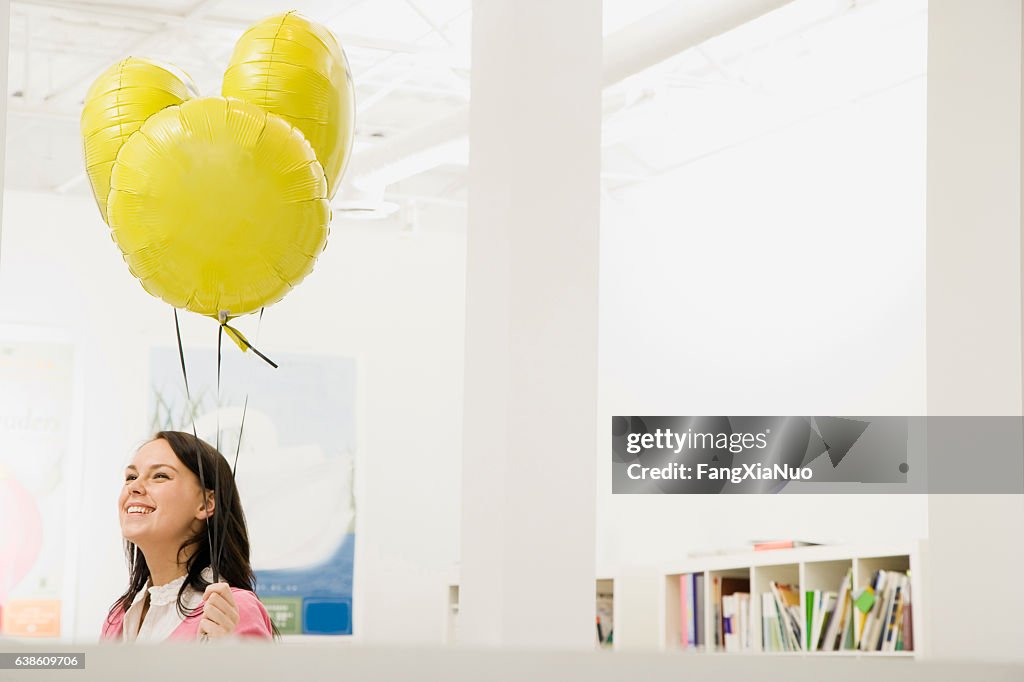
pixel 230 529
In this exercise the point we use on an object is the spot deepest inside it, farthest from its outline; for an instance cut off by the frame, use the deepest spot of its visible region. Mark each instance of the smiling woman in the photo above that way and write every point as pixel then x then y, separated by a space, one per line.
pixel 164 515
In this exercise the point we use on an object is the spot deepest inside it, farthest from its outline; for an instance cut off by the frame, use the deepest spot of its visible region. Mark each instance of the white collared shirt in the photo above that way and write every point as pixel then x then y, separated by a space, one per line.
pixel 163 617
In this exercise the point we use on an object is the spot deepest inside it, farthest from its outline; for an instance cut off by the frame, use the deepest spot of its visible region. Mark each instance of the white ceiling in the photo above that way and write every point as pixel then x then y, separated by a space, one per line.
pixel 409 60
pixel 410 63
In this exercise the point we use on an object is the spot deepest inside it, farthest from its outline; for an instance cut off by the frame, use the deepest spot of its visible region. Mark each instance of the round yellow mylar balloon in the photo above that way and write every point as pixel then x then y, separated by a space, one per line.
pixel 116 105
pixel 218 206
pixel 295 68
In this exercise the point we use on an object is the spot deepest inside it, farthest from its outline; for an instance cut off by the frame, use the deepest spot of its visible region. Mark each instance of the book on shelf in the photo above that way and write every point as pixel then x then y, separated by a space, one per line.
pixel 605 623
pixel 875 618
pixel 886 613
pixel 691 607
pixel 736 621
pixel 685 611
pixel 771 633
pixel 819 606
pixel 730 612
pixel 788 617
pixel 839 629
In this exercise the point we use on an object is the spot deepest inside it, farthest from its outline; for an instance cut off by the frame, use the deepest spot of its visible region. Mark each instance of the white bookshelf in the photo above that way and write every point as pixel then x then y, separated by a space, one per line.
pixel 819 567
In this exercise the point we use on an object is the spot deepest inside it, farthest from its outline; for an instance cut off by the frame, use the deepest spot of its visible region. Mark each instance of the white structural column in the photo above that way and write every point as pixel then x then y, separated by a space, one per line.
pixel 528 516
pixel 974 317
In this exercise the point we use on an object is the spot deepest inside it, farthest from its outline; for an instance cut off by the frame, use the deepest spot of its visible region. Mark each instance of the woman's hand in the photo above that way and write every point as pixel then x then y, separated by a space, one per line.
pixel 220 613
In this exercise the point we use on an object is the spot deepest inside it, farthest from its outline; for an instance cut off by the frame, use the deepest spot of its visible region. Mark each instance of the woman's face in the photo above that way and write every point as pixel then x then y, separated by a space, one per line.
pixel 160 500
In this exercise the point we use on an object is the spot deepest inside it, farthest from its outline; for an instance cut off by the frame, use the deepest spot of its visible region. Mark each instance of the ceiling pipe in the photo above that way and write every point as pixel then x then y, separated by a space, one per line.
pixel 649 41
pixel 674 29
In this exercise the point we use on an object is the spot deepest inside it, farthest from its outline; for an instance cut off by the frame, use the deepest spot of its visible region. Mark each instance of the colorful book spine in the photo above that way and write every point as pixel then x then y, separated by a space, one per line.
pixel 685 608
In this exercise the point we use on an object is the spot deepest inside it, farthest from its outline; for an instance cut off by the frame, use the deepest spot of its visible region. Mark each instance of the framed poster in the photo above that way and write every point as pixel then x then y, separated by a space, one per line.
pixel 39 455
pixel 295 470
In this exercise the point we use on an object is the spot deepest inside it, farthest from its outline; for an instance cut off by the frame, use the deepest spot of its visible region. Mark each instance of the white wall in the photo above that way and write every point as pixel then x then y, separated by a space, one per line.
pixel 782 276
pixel 394 302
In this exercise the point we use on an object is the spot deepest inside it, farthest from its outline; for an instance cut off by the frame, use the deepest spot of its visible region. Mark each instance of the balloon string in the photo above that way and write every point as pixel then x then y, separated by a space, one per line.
pixel 238 337
pixel 217 515
pixel 188 397
pixel 241 430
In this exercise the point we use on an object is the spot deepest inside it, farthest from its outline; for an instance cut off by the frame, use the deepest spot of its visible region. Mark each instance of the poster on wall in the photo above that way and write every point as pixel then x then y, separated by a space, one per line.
pixel 37 415
pixel 294 473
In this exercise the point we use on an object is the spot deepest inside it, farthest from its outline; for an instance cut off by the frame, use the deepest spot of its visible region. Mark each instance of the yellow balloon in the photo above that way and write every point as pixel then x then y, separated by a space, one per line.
pixel 218 206
pixel 116 105
pixel 295 68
